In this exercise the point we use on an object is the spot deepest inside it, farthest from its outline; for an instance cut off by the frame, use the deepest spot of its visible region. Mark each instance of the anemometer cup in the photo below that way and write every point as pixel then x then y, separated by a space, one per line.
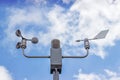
pixel 18 33
pixel 18 45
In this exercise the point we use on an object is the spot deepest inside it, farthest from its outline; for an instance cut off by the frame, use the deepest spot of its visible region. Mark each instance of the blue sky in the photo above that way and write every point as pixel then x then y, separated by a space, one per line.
pixel 66 20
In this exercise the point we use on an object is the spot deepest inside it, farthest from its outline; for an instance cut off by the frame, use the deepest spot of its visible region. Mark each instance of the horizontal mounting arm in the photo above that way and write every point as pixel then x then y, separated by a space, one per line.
pixel 34 56
pixel 77 56
pixel 49 56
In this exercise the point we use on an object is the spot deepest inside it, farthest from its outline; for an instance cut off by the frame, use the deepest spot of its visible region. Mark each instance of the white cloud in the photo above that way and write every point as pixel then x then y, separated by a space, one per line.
pixel 85 18
pixel 4 74
pixel 25 16
pixel 108 75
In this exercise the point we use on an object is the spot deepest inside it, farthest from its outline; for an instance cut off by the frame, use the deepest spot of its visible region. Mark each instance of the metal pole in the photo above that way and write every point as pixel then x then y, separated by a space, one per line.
pixel 56 74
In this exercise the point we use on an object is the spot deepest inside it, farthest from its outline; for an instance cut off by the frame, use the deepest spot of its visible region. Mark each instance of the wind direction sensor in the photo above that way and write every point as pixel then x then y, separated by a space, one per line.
pixel 100 35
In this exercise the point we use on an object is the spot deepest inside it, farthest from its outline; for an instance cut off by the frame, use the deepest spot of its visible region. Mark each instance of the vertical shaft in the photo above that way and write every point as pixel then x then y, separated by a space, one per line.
pixel 55 74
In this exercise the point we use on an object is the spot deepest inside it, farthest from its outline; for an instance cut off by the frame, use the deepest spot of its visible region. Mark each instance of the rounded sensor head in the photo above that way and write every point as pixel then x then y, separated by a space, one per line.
pixel 34 40
pixel 18 45
pixel 55 43
pixel 18 33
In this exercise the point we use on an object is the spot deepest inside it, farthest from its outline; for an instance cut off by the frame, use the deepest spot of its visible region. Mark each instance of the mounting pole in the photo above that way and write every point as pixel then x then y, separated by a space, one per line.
pixel 55 74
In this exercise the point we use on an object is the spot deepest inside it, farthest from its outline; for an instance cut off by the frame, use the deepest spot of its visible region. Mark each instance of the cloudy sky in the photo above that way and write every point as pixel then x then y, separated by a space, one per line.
pixel 66 20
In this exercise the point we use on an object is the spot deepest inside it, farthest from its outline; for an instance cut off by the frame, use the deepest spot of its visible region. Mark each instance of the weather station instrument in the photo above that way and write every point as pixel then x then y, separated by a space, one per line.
pixel 56 51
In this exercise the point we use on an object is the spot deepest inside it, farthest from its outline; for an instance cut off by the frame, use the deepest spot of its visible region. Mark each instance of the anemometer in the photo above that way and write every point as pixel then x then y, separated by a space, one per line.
pixel 56 51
